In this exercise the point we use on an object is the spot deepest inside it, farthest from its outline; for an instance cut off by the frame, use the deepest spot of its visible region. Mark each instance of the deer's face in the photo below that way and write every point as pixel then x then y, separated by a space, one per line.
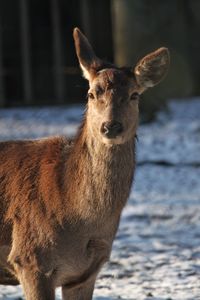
pixel 113 98
pixel 113 95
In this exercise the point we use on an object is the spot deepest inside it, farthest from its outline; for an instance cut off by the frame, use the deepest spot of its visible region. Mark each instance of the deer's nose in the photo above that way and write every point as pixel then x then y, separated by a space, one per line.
pixel 111 129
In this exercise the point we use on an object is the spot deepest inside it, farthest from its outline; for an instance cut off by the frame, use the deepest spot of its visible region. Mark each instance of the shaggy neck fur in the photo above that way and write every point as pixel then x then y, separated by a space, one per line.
pixel 101 175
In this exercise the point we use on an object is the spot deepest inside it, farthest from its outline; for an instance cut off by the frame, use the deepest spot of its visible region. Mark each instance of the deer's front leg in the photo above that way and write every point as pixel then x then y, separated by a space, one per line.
pixel 84 292
pixel 36 286
pixel 32 267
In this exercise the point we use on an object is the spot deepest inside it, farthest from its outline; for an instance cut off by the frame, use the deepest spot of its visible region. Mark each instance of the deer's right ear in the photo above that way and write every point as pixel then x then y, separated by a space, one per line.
pixel 89 62
pixel 152 68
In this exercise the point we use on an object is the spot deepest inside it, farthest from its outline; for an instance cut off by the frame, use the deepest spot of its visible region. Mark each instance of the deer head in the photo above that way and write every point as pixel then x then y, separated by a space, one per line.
pixel 113 95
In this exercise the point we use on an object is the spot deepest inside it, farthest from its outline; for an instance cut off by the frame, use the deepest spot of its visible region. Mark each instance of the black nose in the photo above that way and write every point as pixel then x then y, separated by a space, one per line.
pixel 111 129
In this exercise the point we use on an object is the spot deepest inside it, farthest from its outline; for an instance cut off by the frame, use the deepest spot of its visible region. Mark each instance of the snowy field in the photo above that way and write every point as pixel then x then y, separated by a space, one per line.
pixel 156 254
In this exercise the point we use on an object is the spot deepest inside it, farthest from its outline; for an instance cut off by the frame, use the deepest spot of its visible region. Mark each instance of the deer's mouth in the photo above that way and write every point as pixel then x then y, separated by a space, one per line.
pixel 112 133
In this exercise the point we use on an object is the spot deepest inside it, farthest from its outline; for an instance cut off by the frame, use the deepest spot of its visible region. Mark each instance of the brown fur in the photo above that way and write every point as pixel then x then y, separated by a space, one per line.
pixel 60 201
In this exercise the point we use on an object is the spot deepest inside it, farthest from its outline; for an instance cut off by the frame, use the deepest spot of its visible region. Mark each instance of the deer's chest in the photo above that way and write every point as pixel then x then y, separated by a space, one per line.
pixel 83 251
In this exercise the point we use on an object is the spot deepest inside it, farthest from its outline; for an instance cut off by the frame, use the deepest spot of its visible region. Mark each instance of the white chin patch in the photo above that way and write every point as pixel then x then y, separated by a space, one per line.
pixel 116 141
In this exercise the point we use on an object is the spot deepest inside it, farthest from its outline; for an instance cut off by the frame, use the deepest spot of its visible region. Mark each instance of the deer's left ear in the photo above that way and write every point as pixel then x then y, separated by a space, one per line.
pixel 151 69
pixel 88 60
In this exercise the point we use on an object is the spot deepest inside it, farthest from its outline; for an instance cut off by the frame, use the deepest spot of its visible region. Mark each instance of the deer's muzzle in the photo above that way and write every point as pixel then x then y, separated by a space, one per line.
pixel 111 129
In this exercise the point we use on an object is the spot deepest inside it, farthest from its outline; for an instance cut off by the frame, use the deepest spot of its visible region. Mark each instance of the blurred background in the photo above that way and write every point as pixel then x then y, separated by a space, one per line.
pixel 38 65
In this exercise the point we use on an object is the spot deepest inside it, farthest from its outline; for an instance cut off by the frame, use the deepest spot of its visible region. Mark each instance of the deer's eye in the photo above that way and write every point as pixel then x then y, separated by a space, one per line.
pixel 90 95
pixel 135 96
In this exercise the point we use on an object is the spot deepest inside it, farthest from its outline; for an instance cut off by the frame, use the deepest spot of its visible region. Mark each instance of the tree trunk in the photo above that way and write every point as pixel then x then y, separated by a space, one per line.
pixel 26 52
pixel 57 52
pixel 2 96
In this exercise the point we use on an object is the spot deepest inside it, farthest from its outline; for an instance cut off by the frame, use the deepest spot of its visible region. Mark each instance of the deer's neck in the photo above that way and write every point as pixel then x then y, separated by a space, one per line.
pixel 102 175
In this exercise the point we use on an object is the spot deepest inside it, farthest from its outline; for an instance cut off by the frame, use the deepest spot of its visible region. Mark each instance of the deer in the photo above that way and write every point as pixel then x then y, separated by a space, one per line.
pixel 61 199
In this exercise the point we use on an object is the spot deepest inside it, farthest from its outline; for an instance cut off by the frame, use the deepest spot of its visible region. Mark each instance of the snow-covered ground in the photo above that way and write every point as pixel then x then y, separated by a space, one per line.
pixel 156 254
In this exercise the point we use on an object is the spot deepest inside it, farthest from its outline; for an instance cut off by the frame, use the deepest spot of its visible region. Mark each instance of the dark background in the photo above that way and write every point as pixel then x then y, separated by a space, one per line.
pixel 38 65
